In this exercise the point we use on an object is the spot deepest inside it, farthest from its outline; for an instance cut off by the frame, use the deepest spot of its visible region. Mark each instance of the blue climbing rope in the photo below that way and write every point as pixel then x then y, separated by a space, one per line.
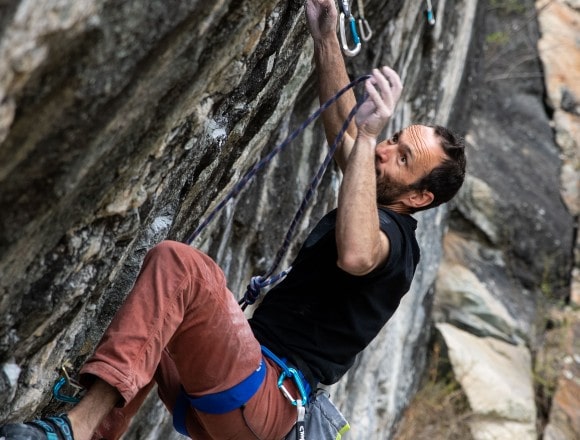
pixel 259 282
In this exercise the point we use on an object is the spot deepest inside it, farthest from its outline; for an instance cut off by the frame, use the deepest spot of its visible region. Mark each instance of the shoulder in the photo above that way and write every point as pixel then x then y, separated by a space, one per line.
pixel 400 230
pixel 391 221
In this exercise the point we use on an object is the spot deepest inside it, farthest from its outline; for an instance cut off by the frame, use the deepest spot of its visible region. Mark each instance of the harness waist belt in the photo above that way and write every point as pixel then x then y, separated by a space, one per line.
pixel 220 402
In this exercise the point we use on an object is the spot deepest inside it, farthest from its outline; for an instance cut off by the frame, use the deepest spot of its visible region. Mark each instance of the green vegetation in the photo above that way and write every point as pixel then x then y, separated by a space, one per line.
pixel 440 409
pixel 547 367
pixel 508 6
pixel 497 38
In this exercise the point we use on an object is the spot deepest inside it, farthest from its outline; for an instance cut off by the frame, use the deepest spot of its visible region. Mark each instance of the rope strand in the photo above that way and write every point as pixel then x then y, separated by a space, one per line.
pixel 257 283
pixel 258 166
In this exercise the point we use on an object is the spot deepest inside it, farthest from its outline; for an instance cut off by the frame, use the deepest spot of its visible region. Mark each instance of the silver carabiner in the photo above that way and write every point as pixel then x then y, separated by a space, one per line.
pixel 365 29
pixel 357 44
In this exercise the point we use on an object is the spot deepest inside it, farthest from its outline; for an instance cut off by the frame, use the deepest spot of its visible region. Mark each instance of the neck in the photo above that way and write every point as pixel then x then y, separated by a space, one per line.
pixel 398 207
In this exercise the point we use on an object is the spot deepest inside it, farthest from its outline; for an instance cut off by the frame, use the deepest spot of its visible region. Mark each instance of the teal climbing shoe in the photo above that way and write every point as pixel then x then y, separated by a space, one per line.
pixel 48 428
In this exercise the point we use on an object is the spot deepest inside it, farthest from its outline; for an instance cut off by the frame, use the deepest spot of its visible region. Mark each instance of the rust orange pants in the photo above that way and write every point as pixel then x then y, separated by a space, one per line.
pixel 180 325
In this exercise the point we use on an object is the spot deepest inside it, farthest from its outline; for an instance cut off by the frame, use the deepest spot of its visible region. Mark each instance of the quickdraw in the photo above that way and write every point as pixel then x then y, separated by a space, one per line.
pixel 344 16
pixel 303 389
pixel 365 29
pixel 430 14
pixel 66 381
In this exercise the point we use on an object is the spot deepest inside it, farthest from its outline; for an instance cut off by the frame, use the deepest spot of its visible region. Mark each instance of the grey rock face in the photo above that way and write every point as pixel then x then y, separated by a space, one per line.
pixel 124 123
pixel 508 255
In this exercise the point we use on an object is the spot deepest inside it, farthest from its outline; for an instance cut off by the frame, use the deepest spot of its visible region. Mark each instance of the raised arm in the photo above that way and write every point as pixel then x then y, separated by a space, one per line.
pixel 361 244
pixel 322 19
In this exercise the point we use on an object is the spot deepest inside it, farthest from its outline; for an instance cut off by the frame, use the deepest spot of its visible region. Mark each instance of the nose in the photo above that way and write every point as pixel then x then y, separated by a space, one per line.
pixel 382 152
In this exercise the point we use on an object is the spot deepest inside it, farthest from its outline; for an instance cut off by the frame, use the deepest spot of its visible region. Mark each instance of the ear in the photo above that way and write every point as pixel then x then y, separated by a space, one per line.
pixel 419 198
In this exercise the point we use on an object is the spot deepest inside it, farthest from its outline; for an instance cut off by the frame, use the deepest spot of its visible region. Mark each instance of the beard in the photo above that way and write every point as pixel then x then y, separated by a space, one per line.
pixel 389 190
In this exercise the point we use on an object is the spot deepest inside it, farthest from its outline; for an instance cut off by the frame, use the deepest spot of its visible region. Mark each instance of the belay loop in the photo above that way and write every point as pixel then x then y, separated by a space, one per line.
pixel 259 282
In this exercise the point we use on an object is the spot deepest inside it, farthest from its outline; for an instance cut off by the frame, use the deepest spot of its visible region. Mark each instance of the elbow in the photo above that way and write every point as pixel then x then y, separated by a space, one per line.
pixel 357 265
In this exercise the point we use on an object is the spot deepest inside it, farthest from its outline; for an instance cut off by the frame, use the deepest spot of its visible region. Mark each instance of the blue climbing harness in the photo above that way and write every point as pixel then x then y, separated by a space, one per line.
pixel 237 396
pixel 220 402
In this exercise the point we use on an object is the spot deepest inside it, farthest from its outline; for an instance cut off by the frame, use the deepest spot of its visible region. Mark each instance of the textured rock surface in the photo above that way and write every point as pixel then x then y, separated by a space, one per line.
pixel 123 123
pixel 507 255
pixel 558 47
pixel 487 368
pixel 559 50
pixel 561 358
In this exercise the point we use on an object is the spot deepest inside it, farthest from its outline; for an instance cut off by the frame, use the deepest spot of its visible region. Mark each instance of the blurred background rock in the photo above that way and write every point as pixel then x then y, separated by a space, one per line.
pixel 123 123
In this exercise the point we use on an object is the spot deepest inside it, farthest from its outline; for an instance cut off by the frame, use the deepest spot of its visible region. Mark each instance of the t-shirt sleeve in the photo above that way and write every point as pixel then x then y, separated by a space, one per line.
pixel 390 227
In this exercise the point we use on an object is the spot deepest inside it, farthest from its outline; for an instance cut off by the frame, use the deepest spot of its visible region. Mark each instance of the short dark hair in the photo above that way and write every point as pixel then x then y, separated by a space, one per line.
pixel 445 179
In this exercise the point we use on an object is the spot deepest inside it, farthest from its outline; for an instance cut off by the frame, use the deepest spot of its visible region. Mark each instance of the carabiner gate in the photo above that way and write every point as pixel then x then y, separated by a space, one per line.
pixel 365 29
pixel 292 374
pixel 357 44
pixel 66 380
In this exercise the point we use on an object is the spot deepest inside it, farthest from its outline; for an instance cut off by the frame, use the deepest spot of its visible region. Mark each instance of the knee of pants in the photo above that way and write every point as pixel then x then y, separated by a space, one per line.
pixel 168 247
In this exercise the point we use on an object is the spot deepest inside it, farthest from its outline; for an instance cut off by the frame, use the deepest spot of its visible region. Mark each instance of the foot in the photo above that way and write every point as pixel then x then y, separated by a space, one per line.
pixel 49 428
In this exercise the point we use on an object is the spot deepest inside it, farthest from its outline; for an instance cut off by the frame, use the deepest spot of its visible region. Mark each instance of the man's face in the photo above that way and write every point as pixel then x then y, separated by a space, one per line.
pixel 403 159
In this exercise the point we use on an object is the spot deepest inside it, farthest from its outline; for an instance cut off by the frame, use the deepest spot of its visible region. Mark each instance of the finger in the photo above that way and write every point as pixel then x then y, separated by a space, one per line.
pixel 385 81
pixel 377 98
pixel 393 78
pixel 370 87
pixel 391 74
pixel 373 86
pixel 384 87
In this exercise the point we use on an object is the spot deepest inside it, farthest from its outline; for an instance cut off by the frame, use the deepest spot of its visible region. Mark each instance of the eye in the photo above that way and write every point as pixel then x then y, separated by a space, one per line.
pixel 395 138
pixel 404 159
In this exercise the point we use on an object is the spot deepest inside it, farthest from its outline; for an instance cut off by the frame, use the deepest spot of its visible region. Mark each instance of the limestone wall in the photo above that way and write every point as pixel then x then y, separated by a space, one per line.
pixel 123 123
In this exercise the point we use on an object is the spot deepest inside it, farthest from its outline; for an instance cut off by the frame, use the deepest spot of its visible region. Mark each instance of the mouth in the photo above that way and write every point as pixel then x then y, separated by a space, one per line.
pixel 377 165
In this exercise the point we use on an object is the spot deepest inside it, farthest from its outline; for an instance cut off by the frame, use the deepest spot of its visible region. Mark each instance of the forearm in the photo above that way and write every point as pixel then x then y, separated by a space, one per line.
pixel 361 244
pixel 332 77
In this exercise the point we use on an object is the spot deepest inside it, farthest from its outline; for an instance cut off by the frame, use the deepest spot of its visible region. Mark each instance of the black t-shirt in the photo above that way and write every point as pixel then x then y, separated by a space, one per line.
pixel 320 317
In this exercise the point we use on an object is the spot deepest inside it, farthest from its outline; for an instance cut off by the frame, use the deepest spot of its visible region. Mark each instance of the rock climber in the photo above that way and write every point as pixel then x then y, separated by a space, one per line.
pixel 182 329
